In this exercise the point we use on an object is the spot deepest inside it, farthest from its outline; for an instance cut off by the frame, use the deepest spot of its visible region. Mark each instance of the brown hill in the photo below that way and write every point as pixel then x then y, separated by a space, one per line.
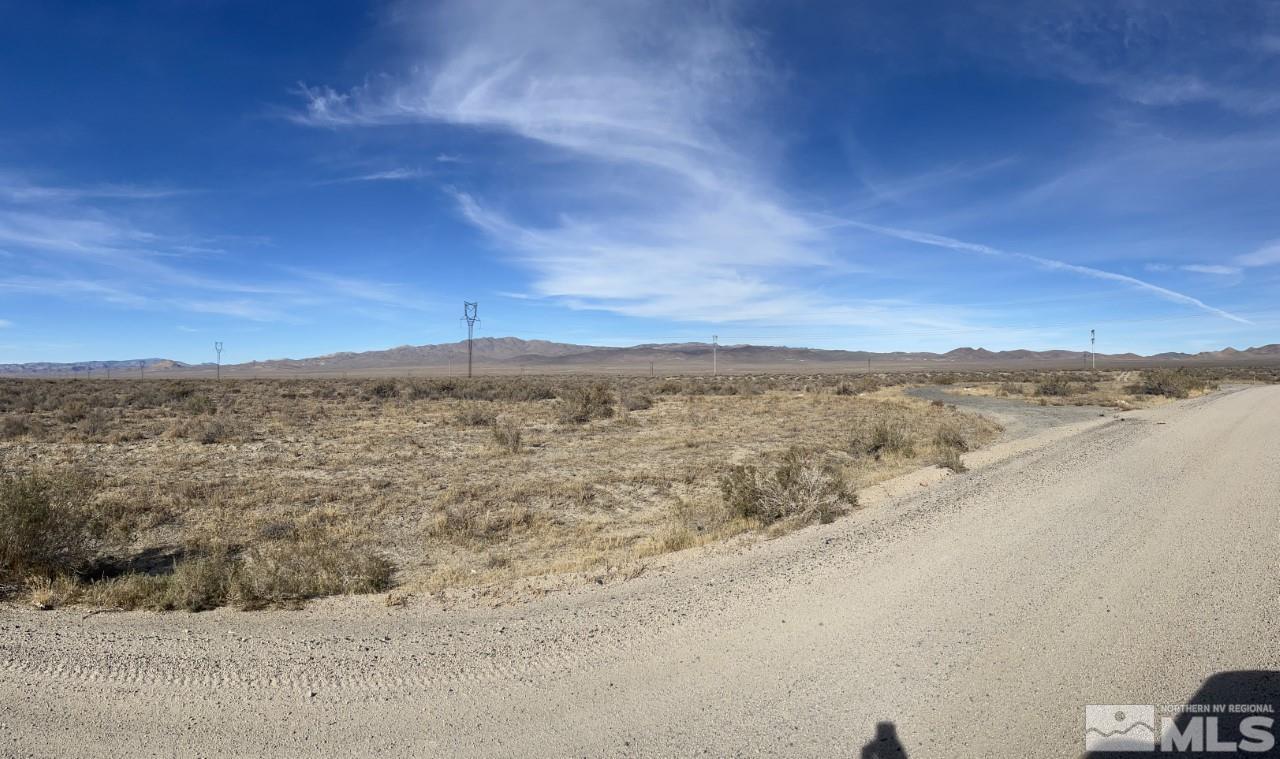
pixel 511 354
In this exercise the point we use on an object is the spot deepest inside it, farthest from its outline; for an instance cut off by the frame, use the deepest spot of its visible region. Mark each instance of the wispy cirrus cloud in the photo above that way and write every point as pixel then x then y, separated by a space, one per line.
pixel 18 189
pixel 1267 255
pixel 660 208
pixel 65 245
pixel 1150 54
pixel 400 174
pixel 1215 269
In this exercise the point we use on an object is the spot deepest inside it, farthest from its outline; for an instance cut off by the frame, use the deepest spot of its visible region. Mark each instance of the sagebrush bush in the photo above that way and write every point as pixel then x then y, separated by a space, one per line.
pixel 287 573
pixel 96 424
pixel 507 434
pixel 949 458
pixel 637 402
pixel 949 436
pixel 1171 383
pixel 207 430
pixel 43 526
pixel 884 437
pixel 73 410
pixel 200 405
pixel 582 403
pixel 15 426
pixel 1055 385
pixel 382 390
pixel 799 487
pixel 310 564
pixel 474 415
pixel 857 387
pixel 1012 388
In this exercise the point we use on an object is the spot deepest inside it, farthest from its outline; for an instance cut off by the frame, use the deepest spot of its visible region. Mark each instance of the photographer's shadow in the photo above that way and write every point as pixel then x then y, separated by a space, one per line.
pixel 885 745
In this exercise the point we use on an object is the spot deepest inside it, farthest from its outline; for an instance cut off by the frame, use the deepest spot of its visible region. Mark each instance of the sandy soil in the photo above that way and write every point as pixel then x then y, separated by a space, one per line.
pixel 1121 560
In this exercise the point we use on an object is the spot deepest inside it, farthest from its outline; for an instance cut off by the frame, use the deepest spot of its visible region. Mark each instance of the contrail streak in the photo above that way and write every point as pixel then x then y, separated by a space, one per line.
pixel 951 243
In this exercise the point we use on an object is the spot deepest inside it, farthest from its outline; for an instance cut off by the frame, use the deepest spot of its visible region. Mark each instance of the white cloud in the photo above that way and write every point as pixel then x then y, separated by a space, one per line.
pixel 1210 269
pixel 75 250
pixel 1149 54
pixel 387 175
pixel 17 189
pixel 5 323
pixel 1265 256
pixel 661 209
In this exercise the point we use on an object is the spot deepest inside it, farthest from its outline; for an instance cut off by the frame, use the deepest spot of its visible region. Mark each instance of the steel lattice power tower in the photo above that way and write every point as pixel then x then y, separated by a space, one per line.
pixel 469 312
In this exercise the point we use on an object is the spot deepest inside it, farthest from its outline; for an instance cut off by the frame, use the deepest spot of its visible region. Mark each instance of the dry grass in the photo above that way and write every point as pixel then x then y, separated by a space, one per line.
pixel 265 493
pixel 1115 389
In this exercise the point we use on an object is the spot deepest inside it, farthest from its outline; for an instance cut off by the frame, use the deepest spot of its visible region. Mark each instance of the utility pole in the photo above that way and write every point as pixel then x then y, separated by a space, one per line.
pixel 1092 352
pixel 141 367
pixel 108 371
pixel 715 369
pixel 650 368
pixel 218 347
pixel 469 312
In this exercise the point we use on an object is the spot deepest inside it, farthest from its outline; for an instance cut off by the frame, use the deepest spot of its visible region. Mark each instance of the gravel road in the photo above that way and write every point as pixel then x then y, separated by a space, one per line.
pixel 1021 419
pixel 1121 562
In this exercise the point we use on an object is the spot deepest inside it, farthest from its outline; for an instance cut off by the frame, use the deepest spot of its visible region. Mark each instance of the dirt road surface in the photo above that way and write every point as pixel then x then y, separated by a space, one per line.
pixel 1020 418
pixel 1124 563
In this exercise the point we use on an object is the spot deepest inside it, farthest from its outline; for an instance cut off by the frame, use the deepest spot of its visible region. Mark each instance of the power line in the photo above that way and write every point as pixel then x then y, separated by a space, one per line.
pixel 470 311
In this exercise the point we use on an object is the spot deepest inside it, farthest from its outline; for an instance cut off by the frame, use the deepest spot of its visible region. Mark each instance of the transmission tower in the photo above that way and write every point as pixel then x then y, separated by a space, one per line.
pixel 469 313
pixel 1093 354
pixel 715 344
pixel 218 347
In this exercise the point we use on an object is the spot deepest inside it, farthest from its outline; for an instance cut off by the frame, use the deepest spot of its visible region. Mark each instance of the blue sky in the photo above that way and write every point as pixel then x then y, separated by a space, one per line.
pixel 302 178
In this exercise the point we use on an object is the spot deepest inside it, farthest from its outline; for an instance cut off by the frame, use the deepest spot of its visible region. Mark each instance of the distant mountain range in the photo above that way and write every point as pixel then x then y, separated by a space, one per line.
pixel 511 354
